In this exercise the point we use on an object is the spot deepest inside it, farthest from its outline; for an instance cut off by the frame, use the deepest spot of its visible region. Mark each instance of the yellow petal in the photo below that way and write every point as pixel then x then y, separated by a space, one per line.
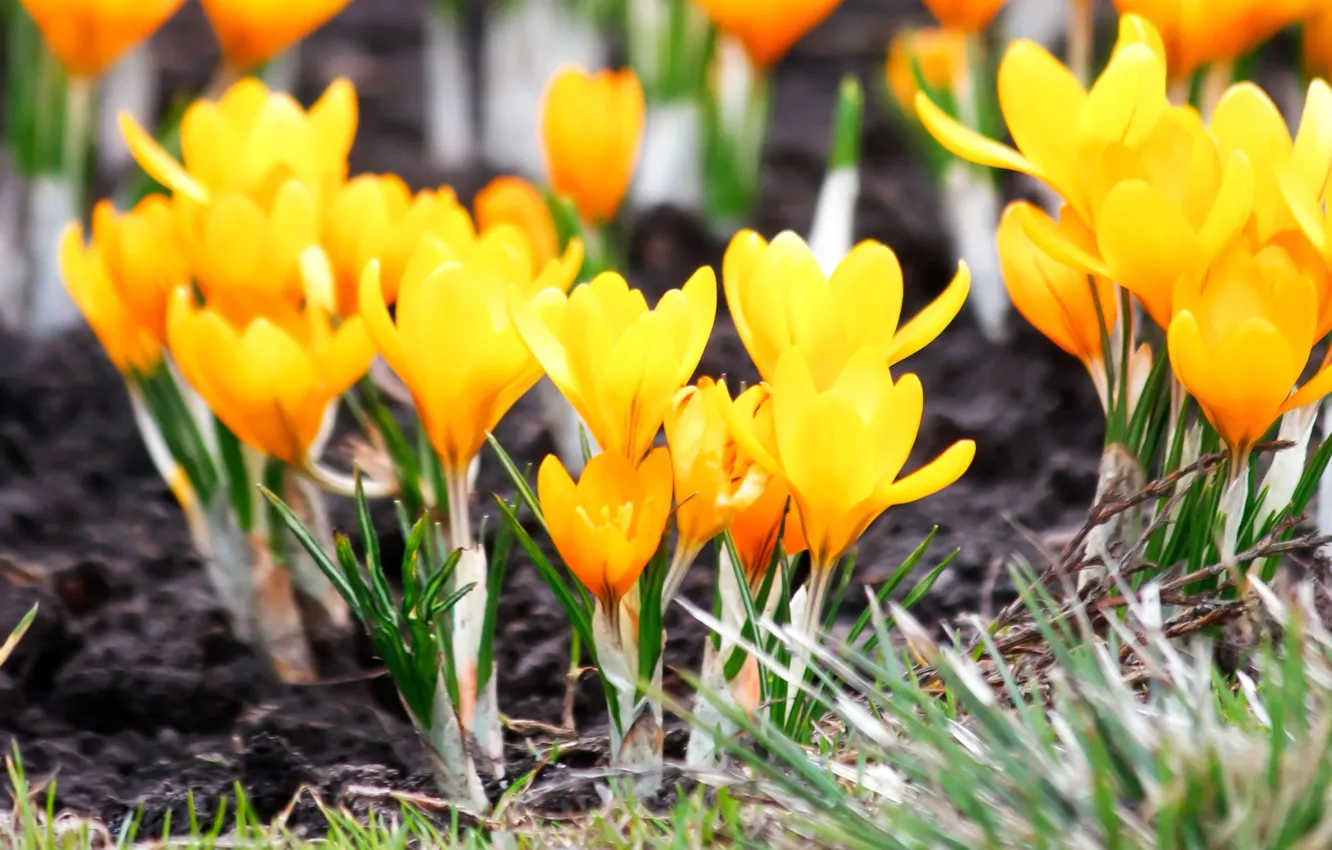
pixel 159 164
pixel 926 326
pixel 966 143
pixel 934 476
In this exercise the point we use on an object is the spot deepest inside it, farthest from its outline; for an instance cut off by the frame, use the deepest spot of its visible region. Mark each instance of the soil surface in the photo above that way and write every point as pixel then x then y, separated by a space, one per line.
pixel 129 689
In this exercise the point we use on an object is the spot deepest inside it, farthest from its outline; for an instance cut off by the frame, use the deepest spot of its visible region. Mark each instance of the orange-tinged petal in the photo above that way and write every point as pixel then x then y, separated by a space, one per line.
pixel 515 201
pixel 768 31
pixel 1147 244
pixel 965 15
pixel 253 31
pixel 88 38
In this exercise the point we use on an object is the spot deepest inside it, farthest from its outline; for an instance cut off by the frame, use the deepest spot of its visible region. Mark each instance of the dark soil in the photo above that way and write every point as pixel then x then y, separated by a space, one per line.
pixel 129 688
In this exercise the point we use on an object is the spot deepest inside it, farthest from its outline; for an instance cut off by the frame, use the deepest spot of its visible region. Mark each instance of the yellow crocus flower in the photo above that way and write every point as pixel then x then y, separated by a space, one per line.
pixel 253 31
pixel 251 139
pixel 714 480
pixel 1062 130
pixel 1246 120
pixel 779 298
pixel 270 381
pixel 592 128
pixel 1317 44
pixel 767 30
pixel 462 388
pixel 617 362
pixel 608 526
pixel 965 15
pixel 940 53
pixel 89 36
pixel 1153 226
pixel 144 257
pixel 1240 339
pixel 246 257
pixel 515 201
pixel 841 448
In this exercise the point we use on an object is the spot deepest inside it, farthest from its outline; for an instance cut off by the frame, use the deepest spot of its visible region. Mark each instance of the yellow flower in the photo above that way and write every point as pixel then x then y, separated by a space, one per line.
pixel 1072 308
pixel 714 481
pixel 515 201
pixel 253 31
pixel 368 219
pixel 965 15
pixel 592 127
pixel 608 526
pixel 143 255
pixel 767 30
pixel 452 340
pixel 251 140
pixel 941 55
pixel 1247 121
pixel 841 448
pixel 271 383
pixel 754 530
pixel 617 362
pixel 89 36
pixel 131 345
pixel 780 298
pixel 1062 131
pixel 246 257
pixel 1197 32
pixel 1240 339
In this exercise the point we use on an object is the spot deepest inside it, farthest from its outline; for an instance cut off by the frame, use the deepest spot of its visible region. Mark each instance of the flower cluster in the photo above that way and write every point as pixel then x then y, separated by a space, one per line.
pixel 1214 228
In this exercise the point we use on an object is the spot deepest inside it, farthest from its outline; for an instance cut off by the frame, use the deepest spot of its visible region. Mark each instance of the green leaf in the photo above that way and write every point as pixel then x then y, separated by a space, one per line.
pixel 580 617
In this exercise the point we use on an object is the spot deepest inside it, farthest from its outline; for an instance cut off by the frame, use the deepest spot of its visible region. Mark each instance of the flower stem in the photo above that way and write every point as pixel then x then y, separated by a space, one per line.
pixel 1080 36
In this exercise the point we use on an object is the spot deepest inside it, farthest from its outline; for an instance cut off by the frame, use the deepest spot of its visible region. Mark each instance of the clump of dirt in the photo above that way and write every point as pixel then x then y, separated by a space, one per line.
pixel 129 689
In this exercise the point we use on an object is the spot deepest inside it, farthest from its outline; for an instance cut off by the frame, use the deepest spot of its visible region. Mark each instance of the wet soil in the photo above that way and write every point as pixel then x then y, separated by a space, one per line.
pixel 129 689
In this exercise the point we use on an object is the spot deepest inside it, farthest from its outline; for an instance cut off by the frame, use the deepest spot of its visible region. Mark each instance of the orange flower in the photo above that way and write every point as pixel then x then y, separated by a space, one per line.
pixel 515 201
pixel 608 526
pixel 965 15
pixel 941 55
pixel 253 31
pixel 754 531
pixel 89 36
pixel 1240 340
pixel 592 127
pixel 1318 44
pixel 767 29
pixel 713 481
pixel 1197 32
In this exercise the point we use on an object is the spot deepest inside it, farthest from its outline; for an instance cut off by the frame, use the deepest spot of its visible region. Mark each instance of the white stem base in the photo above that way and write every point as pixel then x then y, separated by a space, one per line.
pixel 450 133
pixel 13 260
pixel 454 771
pixel 670 169
pixel 52 204
pixel 1120 476
pixel 1287 468
pixel 833 230
pixel 971 209
pixel 524 46
pixel 1041 21
pixel 130 86
pixel 283 72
